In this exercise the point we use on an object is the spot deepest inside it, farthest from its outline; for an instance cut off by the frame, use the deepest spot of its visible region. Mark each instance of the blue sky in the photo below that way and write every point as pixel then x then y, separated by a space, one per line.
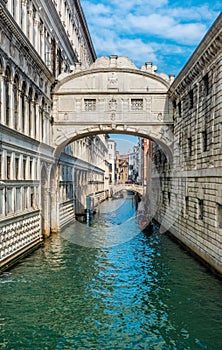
pixel 161 31
pixel 124 143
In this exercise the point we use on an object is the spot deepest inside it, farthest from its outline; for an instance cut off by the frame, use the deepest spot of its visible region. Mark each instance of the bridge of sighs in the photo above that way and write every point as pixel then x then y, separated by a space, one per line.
pixel 112 96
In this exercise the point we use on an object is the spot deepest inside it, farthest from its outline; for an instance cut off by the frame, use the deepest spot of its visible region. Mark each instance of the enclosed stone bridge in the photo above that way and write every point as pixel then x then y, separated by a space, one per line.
pixel 112 96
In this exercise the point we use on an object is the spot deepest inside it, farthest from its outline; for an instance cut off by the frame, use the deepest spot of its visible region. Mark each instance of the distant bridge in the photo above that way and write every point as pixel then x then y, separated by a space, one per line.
pixel 128 187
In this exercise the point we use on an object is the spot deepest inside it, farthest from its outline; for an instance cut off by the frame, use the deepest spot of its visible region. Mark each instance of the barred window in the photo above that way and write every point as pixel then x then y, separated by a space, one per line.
pixel 205 85
pixel 137 104
pixel 200 209
pixel 219 215
pixel 90 105
pixel 191 99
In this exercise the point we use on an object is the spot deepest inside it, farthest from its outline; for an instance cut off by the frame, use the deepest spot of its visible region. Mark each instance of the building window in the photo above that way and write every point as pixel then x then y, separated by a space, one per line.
pixel 9 200
pixel 191 99
pixel 205 85
pixel 16 168
pixel 18 199
pixel 169 197
pixel 53 57
pixel 8 167
pixel 31 176
pixel 200 209
pixel 24 169
pixel 137 104
pixel 32 199
pixel 30 111
pixel 16 101
pixel 189 142
pixel 7 96
pixel 204 140
pixel 23 105
pixel 186 205
pixel 90 105
pixel 219 215
pixel 59 61
pixel 179 109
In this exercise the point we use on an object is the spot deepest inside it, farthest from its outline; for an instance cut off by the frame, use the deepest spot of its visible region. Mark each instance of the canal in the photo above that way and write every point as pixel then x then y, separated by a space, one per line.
pixel 89 289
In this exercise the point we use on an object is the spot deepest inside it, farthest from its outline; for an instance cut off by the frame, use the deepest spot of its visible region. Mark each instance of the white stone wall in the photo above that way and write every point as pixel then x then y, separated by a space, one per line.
pixel 82 173
pixel 36 45
pixel 190 191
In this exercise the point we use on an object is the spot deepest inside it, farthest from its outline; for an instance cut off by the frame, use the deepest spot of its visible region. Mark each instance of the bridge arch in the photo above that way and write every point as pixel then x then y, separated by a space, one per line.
pixel 128 187
pixel 112 96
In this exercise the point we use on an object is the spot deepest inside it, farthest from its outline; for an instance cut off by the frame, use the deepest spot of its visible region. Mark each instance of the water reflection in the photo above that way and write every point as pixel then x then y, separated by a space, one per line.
pixel 145 293
pixel 115 223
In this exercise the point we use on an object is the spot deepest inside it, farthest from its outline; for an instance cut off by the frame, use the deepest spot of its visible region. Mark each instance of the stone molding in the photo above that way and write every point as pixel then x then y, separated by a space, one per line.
pixel 207 51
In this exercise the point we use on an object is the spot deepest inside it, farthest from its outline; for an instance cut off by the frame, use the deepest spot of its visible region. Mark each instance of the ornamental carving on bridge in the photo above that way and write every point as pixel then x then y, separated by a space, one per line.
pixel 113 105
pixel 113 82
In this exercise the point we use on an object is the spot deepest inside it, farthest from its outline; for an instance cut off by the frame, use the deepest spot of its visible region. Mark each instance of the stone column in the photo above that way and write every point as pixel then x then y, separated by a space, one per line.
pixel 31 25
pixel 24 16
pixel 4 165
pixel 42 42
pixel 10 6
pixel 18 14
pixel 36 40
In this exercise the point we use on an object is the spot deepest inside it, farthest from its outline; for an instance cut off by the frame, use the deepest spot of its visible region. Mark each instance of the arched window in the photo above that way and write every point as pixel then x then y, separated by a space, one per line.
pixel 16 101
pixel 42 118
pixel 35 126
pixel 23 106
pixel 30 110
pixel 7 95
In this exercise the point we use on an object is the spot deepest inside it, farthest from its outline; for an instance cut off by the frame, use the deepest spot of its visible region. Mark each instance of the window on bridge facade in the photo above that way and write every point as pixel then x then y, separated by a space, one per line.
pixel 90 105
pixel 136 104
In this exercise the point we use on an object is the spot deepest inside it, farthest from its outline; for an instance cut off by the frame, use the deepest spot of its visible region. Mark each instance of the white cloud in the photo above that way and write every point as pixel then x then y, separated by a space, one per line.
pixel 149 30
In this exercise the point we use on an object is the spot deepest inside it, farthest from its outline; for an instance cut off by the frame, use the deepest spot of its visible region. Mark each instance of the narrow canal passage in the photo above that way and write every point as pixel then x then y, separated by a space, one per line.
pixel 142 293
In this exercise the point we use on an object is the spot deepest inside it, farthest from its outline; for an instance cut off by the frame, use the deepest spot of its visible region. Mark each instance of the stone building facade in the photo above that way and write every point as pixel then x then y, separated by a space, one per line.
pixel 40 43
pixel 189 198
pixel 40 40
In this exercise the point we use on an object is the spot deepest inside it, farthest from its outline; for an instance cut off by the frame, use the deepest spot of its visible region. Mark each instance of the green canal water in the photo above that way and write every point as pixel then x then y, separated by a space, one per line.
pixel 142 292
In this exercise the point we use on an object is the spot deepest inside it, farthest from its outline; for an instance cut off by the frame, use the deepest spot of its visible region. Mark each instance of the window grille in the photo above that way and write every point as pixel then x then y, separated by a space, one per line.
pixel 137 104
pixel 90 105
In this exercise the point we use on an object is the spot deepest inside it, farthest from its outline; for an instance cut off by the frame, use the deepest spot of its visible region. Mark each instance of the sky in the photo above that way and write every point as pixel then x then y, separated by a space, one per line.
pixel 124 143
pixel 159 31
pixel 163 32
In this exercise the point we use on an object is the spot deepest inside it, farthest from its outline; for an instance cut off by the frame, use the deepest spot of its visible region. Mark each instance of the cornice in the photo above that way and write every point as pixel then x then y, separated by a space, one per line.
pixel 208 49
pixel 4 130
pixel 75 75
pixel 60 29
pixel 86 29
pixel 25 45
